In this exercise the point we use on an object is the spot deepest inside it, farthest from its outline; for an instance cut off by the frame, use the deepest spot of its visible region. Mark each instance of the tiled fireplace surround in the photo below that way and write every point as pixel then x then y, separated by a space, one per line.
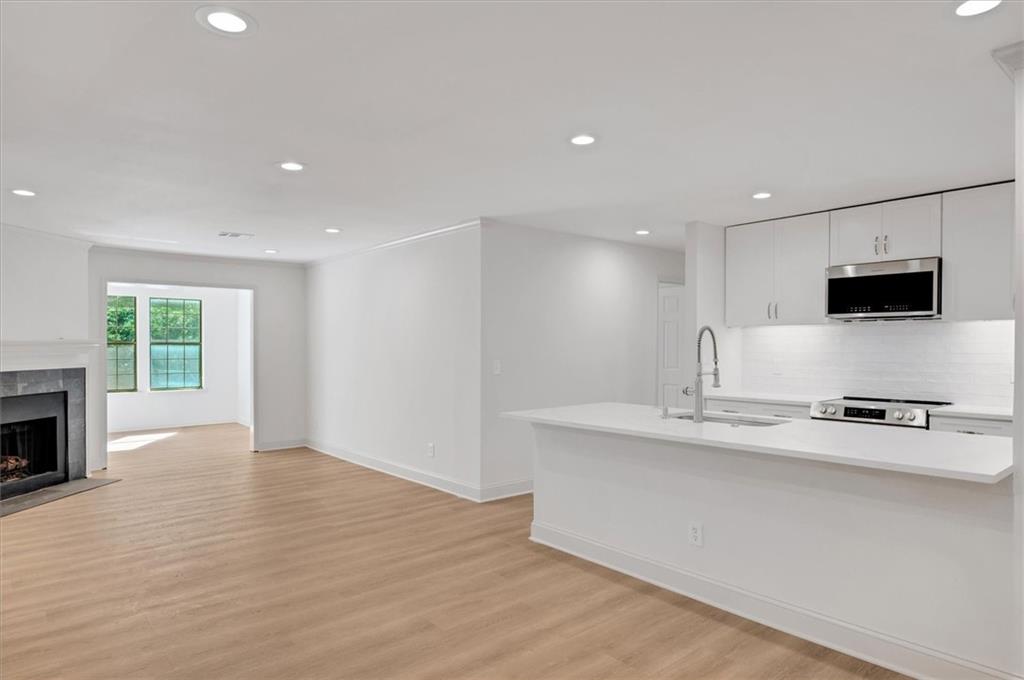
pixel 70 380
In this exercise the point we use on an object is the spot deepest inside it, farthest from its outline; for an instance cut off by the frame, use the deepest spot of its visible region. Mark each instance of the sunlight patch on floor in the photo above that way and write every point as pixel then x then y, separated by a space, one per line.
pixel 136 441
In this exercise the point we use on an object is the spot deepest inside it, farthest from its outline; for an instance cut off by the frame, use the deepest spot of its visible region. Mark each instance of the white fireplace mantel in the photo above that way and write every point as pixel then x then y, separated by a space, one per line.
pixel 27 355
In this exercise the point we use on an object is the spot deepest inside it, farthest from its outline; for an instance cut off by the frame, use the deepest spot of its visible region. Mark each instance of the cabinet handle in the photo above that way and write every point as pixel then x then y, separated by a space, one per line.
pixel 769 310
pixel 776 311
pixel 969 432
pixel 876 245
pixel 885 244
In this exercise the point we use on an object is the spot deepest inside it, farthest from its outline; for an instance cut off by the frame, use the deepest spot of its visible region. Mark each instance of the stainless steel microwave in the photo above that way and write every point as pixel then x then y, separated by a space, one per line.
pixel 886 290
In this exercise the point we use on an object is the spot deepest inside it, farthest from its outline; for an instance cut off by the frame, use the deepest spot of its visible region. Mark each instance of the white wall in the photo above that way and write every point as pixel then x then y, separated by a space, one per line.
pixel 394 359
pixel 571 320
pixel 244 364
pixel 964 362
pixel 223 336
pixel 42 286
pixel 705 293
pixel 279 319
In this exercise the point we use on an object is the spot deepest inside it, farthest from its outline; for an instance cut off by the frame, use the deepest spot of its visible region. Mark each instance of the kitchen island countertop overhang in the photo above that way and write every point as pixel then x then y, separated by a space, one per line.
pixel 973 458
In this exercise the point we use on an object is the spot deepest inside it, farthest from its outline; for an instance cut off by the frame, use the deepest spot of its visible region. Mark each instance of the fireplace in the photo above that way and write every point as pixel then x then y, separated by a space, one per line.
pixel 42 429
pixel 33 442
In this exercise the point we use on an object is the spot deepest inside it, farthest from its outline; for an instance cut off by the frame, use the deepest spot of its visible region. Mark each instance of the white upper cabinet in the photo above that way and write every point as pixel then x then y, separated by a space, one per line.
pixel 749 272
pixel 856 235
pixel 912 228
pixel 801 257
pixel 775 271
pixel 977 247
pixel 896 230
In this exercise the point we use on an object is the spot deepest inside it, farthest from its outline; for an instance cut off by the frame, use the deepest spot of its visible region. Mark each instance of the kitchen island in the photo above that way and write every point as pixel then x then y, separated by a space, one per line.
pixel 893 544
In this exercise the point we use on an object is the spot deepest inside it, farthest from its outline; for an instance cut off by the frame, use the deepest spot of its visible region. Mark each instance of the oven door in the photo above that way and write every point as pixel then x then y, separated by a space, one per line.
pixel 886 290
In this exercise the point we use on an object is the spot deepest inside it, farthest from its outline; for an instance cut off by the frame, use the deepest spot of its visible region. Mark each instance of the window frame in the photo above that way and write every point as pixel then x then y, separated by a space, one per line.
pixel 165 343
pixel 134 344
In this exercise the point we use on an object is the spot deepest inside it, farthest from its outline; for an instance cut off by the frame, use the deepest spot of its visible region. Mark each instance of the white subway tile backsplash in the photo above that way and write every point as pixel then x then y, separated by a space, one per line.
pixel 967 363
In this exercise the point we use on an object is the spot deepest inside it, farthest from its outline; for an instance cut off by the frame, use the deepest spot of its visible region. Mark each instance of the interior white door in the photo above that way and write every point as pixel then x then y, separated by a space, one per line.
pixel 749 271
pixel 856 235
pixel 977 247
pixel 912 227
pixel 671 374
pixel 801 257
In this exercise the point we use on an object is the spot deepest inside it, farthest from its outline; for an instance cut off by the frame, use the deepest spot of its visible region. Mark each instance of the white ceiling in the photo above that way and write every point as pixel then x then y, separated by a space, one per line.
pixel 138 128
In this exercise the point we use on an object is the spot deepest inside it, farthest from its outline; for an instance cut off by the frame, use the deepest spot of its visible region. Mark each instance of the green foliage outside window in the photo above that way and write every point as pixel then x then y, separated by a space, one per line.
pixel 121 338
pixel 175 344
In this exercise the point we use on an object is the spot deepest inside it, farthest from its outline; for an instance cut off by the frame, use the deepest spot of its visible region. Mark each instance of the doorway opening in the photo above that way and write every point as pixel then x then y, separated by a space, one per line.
pixel 176 356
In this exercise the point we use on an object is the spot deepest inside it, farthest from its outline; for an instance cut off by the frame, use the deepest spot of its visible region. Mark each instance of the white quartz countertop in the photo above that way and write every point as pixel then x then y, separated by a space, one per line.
pixel 769 397
pixel 1004 413
pixel 950 455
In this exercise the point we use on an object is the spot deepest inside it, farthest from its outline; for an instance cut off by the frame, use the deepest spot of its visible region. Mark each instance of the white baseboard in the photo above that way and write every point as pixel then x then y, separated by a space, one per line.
pixel 494 492
pixel 281 445
pixel 869 645
pixel 431 479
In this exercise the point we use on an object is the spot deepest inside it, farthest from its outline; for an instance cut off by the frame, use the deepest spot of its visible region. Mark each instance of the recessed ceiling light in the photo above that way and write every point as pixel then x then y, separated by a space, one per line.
pixel 972 8
pixel 583 140
pixel 292 166
pixel 761 195
pixel 225 21
pixel 23 192
pixel 643 232
pixel 270 251
pixel 332 230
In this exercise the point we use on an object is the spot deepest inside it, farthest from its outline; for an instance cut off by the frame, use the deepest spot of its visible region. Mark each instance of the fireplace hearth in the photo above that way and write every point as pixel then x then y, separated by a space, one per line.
pixel 42 429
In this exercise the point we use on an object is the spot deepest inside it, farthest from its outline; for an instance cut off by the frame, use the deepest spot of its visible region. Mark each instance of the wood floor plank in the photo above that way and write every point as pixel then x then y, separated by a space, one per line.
pixel 210 562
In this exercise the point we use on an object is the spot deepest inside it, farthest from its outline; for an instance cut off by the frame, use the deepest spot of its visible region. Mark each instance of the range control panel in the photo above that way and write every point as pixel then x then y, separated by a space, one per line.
pixel 877 411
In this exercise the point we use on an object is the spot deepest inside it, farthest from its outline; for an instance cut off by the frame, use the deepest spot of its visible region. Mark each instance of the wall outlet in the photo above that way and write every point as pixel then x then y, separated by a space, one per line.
pixel 697 534
pixel 430 449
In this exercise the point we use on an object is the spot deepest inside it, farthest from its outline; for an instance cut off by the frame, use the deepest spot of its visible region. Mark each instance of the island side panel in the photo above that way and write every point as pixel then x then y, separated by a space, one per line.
pixel 922 560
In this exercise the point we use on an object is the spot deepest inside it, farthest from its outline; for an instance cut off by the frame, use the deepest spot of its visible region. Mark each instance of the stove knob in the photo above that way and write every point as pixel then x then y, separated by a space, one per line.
pixel 911 416
pixel 898 415
pixel 823 410
pixel 831 410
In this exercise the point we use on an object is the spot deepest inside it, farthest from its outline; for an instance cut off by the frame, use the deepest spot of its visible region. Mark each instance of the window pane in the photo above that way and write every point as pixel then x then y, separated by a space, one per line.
pixel 158 351
pixel 125 382
pixel 176 380
pixel 192 380
pixel 191 351
pixel 126 352
pixel 111 367
pixel 111 352
pixel 191 307
pixel 175 352
pixel 174 334
pixel 191 335
pixel 176 365
pixel 111 381
pixel 158 365
pixel 158 380
pixel 192 365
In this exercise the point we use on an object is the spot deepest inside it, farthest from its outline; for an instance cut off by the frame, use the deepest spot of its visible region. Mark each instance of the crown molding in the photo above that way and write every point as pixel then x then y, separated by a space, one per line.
pixel 1010 58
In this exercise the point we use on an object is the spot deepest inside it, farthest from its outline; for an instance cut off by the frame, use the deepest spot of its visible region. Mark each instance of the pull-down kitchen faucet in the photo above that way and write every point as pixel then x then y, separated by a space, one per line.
pixel 697 391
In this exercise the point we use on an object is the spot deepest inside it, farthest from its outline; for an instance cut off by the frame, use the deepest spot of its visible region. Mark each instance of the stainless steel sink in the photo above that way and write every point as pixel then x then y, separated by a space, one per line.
pixel 736 420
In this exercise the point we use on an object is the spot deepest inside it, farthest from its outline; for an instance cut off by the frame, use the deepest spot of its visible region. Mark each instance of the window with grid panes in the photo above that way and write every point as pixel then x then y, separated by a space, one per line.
pixel 175 344
pixel 121 343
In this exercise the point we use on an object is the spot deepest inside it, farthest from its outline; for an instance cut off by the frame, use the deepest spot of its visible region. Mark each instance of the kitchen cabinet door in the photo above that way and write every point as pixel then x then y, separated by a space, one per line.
pixel 856 235
pixel 801 257
pixel 977 246
pixel 912 228
pixel 749 272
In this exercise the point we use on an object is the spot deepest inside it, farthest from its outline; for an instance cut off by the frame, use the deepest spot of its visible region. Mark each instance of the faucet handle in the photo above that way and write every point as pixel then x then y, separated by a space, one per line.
pixel 688 390
pixel 716 382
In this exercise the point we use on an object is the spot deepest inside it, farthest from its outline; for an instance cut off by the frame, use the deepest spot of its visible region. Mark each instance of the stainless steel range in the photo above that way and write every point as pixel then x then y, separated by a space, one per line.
pixel 877 411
